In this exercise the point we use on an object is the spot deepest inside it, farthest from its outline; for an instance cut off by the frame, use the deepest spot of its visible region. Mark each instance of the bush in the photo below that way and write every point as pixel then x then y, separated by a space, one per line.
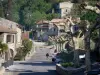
pixel 3 47
pixel 27 45
pixel 22 51
pixel 66 57
pixel 70 64
pixel 20 54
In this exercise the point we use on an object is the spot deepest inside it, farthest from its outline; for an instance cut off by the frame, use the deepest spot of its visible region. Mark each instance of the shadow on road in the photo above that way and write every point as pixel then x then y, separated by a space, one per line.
pixel 38 63
pixel 50 72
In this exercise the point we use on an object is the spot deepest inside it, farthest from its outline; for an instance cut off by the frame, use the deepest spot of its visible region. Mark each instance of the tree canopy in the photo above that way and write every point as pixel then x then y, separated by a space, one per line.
pixel 27 12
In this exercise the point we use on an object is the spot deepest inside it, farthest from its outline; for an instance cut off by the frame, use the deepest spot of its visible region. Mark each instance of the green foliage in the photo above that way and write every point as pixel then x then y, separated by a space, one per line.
pixel 27 12
pixel 23 51
pixel 66 57
pixel 70 64
pixel 27 45
pixel 20 54
pixel 51 16
pixel 95 35
pixel 1 12
pixel 3 47
pixel 67 64
pixel 89 15
pixel 55 1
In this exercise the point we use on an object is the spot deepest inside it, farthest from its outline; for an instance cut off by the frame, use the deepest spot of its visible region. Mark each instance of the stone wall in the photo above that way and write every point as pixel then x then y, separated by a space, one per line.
pixel 69 71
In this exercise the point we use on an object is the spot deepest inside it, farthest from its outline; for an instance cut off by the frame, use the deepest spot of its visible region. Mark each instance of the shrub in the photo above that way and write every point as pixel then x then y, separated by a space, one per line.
pixel 20 54
pixel 27 45
pixel 64 64
pixel 70 64
pixel 22 51
pixel 3 47
pixel 66 57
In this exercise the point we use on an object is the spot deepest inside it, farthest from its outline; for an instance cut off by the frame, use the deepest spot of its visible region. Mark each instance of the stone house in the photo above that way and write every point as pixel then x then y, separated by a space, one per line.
pixel 53 28
pixel 10 33
pixel 57 27
pixel 63 8
pixel 42 30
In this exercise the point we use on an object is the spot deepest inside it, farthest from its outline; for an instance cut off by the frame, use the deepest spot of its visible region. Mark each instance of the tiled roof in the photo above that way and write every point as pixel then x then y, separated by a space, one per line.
pixel 5 22
pixel 9 23
pixel 7 29
pixel 42 22
pixel 57 20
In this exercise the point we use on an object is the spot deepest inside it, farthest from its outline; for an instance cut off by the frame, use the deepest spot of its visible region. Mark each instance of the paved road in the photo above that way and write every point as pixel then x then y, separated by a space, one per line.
pixel 37 65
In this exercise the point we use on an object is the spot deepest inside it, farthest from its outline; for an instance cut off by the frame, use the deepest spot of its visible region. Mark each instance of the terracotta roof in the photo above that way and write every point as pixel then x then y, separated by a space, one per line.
pixel 7 29
pixel 57 20
pixel 42 22
pixel 5 22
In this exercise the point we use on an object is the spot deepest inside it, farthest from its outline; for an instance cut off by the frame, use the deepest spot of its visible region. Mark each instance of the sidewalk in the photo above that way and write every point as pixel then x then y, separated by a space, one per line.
pixel 28 56
pixel 8 73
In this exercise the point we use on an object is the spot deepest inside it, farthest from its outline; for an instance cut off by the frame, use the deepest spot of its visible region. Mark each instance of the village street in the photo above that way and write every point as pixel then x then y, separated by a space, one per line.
pixel 37 65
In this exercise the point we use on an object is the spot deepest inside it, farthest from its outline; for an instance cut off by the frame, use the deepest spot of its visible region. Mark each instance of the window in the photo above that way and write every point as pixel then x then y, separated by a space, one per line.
pixel 10 38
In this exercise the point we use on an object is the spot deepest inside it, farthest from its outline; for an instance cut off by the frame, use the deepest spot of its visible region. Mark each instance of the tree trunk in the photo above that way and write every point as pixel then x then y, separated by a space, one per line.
pixel 87 48
pixel 60 46
pixel 57 47
pixel 76 58
pixel 76 54
pixel 99 45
